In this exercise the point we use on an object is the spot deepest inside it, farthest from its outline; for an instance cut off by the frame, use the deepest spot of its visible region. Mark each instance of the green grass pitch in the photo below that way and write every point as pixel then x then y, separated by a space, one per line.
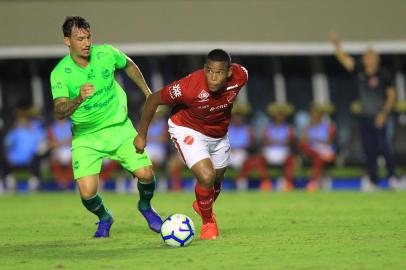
pixel 326 230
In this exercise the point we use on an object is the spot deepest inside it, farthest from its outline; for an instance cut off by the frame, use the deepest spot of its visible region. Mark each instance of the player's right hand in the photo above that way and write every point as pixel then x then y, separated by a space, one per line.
pixel 86 90
pixel 139 143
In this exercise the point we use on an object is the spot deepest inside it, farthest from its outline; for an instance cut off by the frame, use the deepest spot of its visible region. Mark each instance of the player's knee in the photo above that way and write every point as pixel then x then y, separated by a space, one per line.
pixel 87 193
pixel 207 177
pixel 144 175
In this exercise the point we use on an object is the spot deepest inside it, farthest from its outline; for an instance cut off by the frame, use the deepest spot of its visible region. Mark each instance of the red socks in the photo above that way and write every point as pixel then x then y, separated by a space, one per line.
pixel 205 199
pixel 217 190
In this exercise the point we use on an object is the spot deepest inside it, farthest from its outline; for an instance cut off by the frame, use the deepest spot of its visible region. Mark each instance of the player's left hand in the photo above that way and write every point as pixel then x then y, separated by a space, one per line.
pixel 380 120
pixel 139 143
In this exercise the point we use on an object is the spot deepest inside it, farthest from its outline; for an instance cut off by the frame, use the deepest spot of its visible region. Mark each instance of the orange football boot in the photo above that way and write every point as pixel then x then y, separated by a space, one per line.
pixel 209 231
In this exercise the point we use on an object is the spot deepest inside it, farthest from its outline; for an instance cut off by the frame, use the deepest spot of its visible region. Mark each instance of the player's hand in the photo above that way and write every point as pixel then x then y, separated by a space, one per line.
pixel 139 143
pixel 380 120
pixel 334 39
pixel 86 90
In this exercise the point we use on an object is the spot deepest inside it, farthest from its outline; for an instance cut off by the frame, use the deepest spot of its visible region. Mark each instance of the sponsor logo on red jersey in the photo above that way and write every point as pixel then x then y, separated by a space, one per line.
pixel 219 107
pixel 175 91
pixel 203 96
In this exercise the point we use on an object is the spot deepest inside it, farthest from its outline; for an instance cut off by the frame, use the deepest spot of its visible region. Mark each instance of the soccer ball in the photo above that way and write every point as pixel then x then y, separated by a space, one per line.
pixel 178 230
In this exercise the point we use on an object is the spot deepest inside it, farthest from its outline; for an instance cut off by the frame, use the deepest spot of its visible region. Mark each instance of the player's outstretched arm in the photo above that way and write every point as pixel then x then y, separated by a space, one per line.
pixel 134 73
pixel 150 107
pixel 64 107
pixel 344 58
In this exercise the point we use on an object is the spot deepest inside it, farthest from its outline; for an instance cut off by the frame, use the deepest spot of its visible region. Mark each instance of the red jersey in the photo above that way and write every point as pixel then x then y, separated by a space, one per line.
pixel 199 109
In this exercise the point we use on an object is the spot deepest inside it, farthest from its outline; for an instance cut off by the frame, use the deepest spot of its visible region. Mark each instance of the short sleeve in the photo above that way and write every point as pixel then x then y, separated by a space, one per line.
pixel 120 59
pixel 240 74
pixel 175 92
pixel 58 86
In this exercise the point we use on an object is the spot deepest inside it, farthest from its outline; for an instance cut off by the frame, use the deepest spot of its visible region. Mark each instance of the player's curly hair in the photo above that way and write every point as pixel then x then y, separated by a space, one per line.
pixel 219 55
pixel 74 21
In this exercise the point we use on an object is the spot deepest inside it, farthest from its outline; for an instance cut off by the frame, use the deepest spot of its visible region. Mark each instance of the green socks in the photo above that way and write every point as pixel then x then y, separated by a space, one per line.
pixel 146 193
pixel 96 206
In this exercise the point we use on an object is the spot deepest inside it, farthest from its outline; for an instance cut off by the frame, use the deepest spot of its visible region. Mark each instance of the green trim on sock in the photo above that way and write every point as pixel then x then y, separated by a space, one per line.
pixel 96 206
pixel 146 191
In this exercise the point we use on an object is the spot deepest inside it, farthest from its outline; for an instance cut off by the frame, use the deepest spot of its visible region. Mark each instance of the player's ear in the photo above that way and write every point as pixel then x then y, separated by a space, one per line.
pixel 66 41
pixel 230 71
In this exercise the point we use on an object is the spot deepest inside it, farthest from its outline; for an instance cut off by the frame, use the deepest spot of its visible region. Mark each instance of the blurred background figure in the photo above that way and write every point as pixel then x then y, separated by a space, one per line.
pixel 317 143
pixel 278 142
pixel 175 167
pixel 25 144
pixel 244 157
pixel 157 147
pixel 2 160
pixel 108 171
pixel 377 96
pixel 60 143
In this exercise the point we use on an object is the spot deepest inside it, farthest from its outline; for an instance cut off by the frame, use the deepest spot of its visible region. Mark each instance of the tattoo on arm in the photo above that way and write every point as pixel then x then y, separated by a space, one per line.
pixel 65 108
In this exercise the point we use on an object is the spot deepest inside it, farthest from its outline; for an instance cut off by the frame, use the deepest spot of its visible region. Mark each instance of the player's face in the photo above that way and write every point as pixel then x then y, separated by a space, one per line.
pixel 79 42
pixel 371 59
pixel 216 74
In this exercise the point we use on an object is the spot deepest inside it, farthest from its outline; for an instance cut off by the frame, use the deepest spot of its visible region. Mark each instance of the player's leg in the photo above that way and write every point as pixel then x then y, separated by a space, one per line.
pixel 86 168
pixel 93 202
pixel 140 166
pixel 218 181
pixel 205 175
pixel 217 189
pixel 193 147
pixel 204 191
pixel 146 186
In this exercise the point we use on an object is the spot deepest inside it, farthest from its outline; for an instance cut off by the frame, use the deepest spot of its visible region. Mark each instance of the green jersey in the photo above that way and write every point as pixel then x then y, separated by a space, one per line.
pixel 108 104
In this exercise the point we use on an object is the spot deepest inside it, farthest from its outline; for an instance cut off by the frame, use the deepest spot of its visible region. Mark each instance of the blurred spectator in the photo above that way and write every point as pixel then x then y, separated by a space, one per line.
pixel 108 170
pixel 60 142
pixel 158 138
pixel 175 167
pixel 377 94
pixel 243 149
pixel 2 160
pixel 317 144
pixel 278 141
pixel 24 143
pixel 157 147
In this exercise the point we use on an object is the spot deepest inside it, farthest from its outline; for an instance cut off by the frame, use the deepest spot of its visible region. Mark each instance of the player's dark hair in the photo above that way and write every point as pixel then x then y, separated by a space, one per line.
pixel 219 55
pixel 74 21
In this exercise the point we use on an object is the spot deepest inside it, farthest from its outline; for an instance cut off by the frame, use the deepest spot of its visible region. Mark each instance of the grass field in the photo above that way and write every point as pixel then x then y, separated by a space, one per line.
pixel 337 230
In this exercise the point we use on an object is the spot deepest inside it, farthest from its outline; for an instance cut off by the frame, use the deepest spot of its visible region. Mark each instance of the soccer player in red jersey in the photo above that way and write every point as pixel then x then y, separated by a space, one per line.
pixel 202 103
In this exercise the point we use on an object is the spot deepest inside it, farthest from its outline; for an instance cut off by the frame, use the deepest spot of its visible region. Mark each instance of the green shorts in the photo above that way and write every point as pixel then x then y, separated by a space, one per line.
pixel 114 142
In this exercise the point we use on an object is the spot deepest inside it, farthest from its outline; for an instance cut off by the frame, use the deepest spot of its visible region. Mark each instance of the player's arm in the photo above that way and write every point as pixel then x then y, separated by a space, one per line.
pixel 134 73
pixel 150 107
pixel 63 107
pixel 344 58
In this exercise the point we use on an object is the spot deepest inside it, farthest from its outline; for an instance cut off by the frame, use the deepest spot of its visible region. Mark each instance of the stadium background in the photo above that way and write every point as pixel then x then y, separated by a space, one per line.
pixel 284 44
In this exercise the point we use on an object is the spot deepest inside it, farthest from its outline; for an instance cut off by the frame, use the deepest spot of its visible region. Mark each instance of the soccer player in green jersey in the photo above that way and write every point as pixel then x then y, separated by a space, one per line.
pixel 84 89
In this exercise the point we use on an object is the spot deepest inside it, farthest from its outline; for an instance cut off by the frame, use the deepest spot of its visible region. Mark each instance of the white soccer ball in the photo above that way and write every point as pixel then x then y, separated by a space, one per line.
pixel 178 230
